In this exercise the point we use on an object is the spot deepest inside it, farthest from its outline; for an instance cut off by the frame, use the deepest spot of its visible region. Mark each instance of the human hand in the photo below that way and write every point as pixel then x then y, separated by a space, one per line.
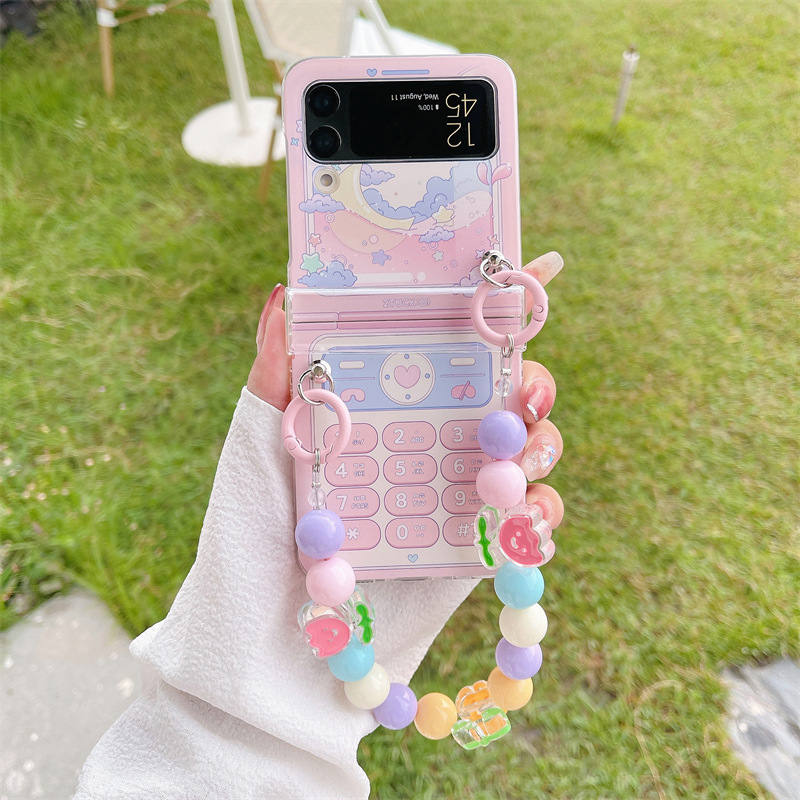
pixel 269 380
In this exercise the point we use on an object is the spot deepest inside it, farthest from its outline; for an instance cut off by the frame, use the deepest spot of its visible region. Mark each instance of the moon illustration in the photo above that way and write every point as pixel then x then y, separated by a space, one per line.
pixel 349 193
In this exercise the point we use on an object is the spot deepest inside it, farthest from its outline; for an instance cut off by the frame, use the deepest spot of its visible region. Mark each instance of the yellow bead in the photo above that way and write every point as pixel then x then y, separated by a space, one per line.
pixel 436 715
pixel 508 693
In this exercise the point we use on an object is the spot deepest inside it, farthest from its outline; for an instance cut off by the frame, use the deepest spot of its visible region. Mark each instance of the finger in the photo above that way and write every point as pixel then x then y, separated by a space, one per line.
pixel 538 392
pixel 549 500
pixel 545 268
pixel 542 451
pixel 269 375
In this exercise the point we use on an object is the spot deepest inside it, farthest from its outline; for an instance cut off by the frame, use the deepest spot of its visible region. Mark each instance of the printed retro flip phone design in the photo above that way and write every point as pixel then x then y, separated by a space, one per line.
pixel 402 174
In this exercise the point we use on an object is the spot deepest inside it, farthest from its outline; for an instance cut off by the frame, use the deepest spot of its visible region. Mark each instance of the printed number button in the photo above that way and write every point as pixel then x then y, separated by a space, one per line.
pixel 405 470
pixel 412 532
pixel 353 503
pixel 363 438
pixel 461 435
pixel 463 467
pixel 351 471
pixel 459 531
pixel 361 534
pixel 409 437
pixel 462 499
pixel 407 501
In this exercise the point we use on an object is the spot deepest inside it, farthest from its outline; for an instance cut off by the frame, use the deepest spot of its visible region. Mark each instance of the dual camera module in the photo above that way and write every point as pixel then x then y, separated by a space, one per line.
pixel 323 101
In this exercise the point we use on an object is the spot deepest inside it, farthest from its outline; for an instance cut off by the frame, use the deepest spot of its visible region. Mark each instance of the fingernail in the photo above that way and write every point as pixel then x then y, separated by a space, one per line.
pixel 546 267
pixel 539 398
pixel 540 457
pixel 547 508
pixel 275 300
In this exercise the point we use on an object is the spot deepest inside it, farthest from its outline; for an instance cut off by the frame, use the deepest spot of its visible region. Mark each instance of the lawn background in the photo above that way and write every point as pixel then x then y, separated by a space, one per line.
pixel 133 278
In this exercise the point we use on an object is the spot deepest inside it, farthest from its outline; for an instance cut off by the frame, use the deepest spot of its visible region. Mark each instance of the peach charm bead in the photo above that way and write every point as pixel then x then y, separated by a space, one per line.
pixel 436 715
pixel 508 693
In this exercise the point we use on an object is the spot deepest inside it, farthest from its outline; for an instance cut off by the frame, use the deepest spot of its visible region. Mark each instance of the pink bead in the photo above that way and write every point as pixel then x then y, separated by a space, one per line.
pixel 501 484
pixel 330 582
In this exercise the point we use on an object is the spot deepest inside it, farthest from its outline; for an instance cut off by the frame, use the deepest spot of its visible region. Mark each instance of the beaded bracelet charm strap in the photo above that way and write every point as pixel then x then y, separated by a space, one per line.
pixel 511 537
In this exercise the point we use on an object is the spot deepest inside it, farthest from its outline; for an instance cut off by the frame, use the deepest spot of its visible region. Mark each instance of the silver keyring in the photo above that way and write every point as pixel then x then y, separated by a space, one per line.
pixel 508 350
pixel 498 261
pixel 319 371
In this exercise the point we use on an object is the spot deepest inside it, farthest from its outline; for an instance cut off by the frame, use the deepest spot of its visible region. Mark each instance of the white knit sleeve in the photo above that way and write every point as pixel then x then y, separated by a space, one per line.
pixel 235 705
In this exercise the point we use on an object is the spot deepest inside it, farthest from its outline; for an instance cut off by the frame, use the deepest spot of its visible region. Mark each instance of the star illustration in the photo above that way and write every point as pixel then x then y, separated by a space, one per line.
pixel 380 258
pixel 352 533
pixel 299 126
pixel 295 142
pixel 438 255
pixel 479 254
pixel 314 239
pixel 311 262
pixel 494 240
pixel 443 216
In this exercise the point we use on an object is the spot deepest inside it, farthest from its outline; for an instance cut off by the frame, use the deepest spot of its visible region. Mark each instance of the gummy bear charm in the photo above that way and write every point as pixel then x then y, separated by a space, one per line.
pixel 487 522
pixel 482 722
pixel 525 537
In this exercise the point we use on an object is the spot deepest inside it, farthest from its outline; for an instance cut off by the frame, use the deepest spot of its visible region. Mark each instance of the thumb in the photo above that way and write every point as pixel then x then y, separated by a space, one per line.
pixel 269 375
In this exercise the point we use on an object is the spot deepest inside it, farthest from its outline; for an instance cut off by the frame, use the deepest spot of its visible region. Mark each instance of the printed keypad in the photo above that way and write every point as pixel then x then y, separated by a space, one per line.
pixel 398 469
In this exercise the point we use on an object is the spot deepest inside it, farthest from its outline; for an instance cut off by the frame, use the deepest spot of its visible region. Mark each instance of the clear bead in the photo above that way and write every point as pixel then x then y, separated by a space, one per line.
pixel 316 498
pixel 361 615
pixel 502 386
pixel 482 721
pixel 491 726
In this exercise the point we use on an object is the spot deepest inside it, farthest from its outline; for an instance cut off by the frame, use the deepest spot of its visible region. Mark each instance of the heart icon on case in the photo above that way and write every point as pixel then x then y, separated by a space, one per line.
pixel 372 72
pixel 407 376
pixel 412 557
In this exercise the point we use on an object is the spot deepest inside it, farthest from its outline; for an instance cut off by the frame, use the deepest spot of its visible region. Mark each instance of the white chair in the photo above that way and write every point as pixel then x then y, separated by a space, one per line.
pixel 290 30
pixel 109 17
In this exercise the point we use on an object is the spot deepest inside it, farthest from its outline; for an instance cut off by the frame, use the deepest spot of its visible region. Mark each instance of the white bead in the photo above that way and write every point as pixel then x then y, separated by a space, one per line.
pixel 371 690
pixel 523 627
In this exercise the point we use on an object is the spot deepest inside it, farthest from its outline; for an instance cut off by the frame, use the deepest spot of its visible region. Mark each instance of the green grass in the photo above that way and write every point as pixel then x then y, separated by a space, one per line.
pixel 132 281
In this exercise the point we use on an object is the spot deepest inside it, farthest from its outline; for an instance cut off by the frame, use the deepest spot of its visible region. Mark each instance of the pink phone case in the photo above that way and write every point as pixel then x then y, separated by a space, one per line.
pixel 383 264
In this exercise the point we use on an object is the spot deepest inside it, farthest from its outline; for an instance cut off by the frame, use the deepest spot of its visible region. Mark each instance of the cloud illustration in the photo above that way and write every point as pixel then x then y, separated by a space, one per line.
pixel 334 276
pixel 436 234
pixel 373 177
pixel 322 203
pixel 473 279
pixel 375 199
pixel 439 192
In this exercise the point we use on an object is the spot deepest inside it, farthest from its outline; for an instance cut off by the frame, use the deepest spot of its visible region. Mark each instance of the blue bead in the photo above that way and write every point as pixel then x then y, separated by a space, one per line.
pixel 354 662
pixel 502 434
pixel 319 533
pixel 518 587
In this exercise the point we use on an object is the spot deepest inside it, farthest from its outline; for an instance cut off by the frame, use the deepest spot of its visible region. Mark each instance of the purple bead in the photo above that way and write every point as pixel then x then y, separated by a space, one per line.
pixel 518 663
pixel 319 533
pixel 502 434
pixel 398 709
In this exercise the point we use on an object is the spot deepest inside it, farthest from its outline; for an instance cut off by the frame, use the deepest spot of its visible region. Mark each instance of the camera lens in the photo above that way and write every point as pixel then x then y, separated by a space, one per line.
pixel 324 142
pixel 323 100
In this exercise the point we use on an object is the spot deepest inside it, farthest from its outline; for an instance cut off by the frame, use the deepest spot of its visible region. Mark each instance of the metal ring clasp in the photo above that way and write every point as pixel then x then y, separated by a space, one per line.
pixel 495 260
pixel 319 371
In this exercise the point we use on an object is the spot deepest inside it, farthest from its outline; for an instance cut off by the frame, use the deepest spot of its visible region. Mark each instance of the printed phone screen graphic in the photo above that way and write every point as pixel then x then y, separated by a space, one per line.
pixel 401 120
